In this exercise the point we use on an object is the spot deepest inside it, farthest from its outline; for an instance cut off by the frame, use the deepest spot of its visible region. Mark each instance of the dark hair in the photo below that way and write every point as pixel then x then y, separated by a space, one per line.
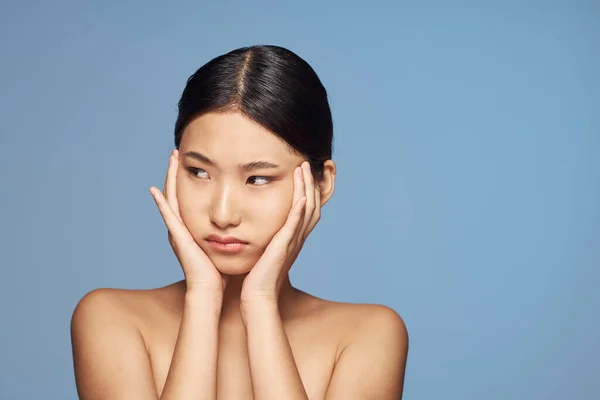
pixel 270 85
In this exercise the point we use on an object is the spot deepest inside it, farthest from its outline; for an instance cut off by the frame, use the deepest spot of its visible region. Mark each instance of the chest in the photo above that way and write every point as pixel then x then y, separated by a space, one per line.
pixel 314 354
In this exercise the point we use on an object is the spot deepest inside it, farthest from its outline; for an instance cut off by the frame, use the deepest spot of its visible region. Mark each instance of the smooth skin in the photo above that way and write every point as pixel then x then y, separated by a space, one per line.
pixel 235 327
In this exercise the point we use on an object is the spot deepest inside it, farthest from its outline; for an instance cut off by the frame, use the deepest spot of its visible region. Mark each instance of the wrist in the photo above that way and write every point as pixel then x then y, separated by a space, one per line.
pixel 258 307
pixel 259 302
pixel 205 298
pixel 200 288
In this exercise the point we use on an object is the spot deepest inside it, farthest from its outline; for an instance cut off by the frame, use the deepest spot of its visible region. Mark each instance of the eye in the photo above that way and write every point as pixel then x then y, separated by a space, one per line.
pixel 194 171
pixel 259 180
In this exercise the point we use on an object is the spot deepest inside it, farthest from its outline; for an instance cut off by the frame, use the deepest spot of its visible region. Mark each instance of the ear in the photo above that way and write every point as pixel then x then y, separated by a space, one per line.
pixel 327 183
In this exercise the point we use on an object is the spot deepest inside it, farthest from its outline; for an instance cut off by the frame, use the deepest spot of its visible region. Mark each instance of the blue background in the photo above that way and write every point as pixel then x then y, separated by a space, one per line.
pixel 468 194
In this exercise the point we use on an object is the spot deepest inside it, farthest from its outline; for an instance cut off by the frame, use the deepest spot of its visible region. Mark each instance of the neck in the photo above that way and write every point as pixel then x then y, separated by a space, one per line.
pixel 230 310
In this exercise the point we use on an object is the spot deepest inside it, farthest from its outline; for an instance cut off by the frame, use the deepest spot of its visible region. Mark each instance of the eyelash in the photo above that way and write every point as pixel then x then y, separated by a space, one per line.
pixel 194 171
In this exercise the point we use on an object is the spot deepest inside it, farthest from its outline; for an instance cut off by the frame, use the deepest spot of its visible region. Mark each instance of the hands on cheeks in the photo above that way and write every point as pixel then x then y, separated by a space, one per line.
pixel 266 277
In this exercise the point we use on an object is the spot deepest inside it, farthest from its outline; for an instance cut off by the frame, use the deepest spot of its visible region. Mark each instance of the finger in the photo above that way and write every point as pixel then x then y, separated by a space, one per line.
pixel 288 230
pixel 164 190
pixel 174 225
pixel 299 192
pixel 169 189
pixel 172 185
pixel 298 185
pixel 294 220
pixel 316 214
pixel 309 192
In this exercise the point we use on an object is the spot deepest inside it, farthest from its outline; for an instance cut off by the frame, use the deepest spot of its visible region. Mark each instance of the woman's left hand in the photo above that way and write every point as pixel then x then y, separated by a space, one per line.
pixel 265 279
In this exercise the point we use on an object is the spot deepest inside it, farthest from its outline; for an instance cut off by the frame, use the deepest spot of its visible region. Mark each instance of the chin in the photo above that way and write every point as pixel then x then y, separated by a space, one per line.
pixel 232 265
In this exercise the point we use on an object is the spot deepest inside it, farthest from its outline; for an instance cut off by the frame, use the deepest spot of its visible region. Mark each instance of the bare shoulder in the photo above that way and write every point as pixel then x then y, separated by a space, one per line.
pixel 363 320
pixel 142 311
pixel 380 328
pixel 372 353
pixel 132 305
pixel 383 319
pixel 116 303
pixel 109 351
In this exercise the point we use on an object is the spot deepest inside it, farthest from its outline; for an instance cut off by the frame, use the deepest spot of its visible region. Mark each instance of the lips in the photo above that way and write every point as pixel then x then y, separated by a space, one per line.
pixel 226 244
pixel 225 239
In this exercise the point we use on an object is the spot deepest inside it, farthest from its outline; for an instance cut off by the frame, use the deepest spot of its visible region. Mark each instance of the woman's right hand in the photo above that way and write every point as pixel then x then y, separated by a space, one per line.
pixel 200 273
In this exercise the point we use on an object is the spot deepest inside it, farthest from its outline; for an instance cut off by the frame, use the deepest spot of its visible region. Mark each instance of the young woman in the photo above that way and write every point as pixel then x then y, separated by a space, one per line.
pixel 245 185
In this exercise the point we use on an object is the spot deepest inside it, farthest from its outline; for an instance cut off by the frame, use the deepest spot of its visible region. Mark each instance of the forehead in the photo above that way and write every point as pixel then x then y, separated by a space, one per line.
pixel 232 138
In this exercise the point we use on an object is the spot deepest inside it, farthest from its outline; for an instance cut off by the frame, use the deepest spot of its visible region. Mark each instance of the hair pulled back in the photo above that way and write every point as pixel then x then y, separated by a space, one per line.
pixel 270 85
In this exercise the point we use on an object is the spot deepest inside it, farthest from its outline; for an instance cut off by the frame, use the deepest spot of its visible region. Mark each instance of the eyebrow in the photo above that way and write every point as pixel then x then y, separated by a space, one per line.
pixel 250 166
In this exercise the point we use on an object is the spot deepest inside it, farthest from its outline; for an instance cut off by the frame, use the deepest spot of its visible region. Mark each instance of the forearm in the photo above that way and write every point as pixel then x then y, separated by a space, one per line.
pixel 272 367
pixel 193 370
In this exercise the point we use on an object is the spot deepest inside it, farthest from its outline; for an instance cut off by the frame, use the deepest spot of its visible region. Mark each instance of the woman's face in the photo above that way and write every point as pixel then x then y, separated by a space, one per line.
pixel 235 178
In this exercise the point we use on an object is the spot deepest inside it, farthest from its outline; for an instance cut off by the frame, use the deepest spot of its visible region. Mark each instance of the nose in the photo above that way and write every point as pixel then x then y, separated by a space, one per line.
pixel 224 210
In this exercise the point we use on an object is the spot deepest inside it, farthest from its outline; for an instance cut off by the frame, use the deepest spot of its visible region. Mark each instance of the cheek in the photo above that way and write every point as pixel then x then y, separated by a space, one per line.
pixel 267 214
pixel 190 206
